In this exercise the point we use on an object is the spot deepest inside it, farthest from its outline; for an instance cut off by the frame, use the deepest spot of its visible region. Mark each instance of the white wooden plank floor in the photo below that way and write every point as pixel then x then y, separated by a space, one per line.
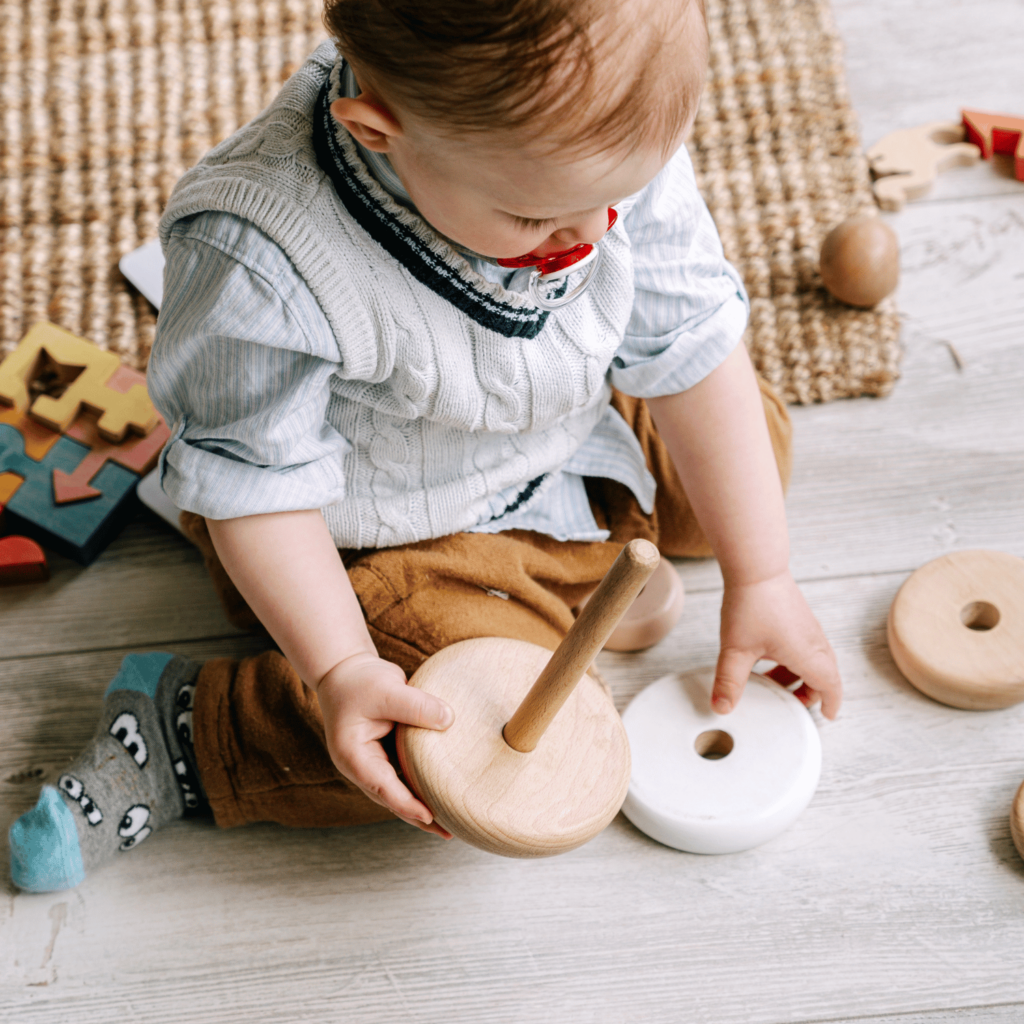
pixel 896 899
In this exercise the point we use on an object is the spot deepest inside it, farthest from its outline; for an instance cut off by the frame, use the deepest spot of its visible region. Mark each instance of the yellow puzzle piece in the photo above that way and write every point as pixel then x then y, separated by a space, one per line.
pixel 78 373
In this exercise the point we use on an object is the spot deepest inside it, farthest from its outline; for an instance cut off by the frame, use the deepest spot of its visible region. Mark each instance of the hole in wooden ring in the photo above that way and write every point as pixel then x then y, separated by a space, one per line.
pixel 713 744
pixel 979 615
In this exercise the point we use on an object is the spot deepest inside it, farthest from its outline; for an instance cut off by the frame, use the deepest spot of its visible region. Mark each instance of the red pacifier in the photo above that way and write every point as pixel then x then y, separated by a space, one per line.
pixel 558 265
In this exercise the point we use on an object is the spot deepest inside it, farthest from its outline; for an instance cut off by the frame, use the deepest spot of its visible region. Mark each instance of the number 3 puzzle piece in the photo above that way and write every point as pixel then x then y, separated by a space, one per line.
pixel 82 375
pixel 907 162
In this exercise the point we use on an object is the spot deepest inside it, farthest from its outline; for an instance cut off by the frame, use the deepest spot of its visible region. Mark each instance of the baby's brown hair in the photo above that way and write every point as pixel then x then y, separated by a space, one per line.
pixel 530 66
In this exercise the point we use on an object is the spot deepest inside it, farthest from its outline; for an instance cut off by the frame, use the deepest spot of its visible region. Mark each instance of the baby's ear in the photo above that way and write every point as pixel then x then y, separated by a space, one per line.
pixel 367 120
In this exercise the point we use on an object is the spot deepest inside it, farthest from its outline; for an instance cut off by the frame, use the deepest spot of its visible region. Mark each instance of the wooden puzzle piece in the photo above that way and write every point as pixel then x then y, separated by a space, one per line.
pixel 80 530
pixel 907 162
pixel 138 454
pixel 38 439
pixel 997 133
pixel 21 561
pixel 70 374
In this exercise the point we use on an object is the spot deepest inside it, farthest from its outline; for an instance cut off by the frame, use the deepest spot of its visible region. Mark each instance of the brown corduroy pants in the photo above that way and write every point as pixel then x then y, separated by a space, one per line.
pixel 259 737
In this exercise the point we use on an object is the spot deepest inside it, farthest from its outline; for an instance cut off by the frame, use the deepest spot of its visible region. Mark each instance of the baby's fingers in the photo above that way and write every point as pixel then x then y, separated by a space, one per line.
pixel 821 674
pixel 375 776
pixel 412 706
pixel 731 675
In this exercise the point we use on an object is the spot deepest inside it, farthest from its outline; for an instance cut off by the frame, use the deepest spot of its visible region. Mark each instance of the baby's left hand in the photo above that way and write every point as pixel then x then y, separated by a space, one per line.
pixel 771 619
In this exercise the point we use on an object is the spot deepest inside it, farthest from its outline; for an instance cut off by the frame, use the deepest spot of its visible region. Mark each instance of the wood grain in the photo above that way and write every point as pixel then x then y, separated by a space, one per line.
pixel 536 803
pixel 956 629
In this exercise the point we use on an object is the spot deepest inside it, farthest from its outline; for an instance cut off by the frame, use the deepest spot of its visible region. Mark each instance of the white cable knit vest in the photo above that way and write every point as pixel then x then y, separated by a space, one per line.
pixel 450 389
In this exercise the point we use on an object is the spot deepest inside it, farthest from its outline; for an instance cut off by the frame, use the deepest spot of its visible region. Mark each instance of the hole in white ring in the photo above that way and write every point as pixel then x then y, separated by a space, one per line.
pixel 713 745
pixel 979 615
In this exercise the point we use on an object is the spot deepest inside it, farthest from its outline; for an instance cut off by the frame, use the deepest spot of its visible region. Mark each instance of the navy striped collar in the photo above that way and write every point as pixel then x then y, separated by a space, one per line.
pixel 407 237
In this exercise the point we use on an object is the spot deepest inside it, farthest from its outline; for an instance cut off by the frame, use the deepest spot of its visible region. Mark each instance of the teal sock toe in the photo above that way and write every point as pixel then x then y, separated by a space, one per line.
pixel 45 852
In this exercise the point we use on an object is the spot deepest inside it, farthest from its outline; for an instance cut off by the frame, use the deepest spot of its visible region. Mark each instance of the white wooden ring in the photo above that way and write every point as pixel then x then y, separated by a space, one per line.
pixel 708 783
pixel 956 629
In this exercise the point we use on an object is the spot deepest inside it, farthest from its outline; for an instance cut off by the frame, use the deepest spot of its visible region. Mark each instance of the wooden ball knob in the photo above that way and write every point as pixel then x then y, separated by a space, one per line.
pixel 956 629
pixel 860 261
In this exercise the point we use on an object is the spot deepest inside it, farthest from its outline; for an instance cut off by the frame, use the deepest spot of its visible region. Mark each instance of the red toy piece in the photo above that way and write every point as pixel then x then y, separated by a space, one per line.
pixel 21 561
pixel 997 133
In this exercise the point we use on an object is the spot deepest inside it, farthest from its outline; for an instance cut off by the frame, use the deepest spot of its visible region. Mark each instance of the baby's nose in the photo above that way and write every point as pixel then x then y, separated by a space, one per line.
pixel 589 227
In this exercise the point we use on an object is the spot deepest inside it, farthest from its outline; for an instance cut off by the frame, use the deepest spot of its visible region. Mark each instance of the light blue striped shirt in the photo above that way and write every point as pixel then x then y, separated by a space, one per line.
pixel 242 365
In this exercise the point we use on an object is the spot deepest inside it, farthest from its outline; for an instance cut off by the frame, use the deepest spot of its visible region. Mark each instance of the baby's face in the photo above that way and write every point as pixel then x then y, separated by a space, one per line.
pixel 501 195
pixel 503 201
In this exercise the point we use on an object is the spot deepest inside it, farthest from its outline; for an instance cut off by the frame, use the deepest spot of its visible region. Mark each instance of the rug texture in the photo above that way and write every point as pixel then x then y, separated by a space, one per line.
pixel 104 103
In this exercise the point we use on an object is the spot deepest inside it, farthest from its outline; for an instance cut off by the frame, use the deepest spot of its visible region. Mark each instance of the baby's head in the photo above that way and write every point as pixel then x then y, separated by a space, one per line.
pixel 515 124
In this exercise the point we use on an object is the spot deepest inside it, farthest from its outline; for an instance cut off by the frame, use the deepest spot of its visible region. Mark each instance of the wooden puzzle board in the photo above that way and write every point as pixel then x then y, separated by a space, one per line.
pixel 105 105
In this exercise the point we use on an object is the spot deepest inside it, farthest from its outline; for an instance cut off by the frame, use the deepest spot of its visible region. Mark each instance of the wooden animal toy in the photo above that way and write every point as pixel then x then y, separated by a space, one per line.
pixel 1017 820
pixel 956 629
pixel 704 783
pixel 651 617
pixel 860 261
pixel 997 133
pixel 21 561
pixel 907 162
pixel 77 429
pixel 537 760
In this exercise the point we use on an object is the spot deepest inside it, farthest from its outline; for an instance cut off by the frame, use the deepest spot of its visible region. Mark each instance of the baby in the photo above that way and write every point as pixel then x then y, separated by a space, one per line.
pixel 443 328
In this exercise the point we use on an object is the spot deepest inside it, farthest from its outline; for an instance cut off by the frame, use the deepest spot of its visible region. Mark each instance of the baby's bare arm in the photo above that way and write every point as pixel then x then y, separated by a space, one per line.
pixel 287 567
pixel 718 439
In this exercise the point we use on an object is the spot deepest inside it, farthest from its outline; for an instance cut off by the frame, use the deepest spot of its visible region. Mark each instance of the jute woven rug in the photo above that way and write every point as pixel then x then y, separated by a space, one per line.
pixel 104 103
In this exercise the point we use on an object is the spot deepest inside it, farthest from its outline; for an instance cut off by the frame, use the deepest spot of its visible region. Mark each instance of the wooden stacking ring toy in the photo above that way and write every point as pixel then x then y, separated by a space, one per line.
pixel 537 760
pixel 956 629
pixel 654 613
pixel 1017 820
pixel 708 783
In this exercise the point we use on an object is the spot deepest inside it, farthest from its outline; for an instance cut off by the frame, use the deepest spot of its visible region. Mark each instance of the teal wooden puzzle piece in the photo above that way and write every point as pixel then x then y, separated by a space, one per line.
pixel 80 530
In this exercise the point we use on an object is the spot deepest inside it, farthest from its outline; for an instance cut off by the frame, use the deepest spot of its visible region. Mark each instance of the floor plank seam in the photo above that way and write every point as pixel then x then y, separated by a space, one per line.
pixel 128 648
pixel 882 1017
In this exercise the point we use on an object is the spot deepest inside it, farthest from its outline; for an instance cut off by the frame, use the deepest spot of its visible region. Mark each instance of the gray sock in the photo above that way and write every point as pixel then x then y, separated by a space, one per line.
pixel 139 771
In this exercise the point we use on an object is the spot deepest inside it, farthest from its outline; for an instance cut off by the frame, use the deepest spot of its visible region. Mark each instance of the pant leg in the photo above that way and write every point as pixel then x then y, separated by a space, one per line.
pixel 258 733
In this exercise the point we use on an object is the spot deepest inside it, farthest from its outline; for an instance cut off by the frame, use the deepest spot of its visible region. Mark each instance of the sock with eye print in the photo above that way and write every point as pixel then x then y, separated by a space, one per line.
pixel 138 773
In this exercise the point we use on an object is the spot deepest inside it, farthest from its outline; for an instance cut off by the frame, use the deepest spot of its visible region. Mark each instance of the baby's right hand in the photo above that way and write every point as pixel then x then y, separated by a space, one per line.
pixel 361 699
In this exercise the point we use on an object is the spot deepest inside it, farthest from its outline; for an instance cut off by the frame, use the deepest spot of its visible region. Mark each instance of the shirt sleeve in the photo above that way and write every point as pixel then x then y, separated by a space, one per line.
pixel 241 370
pixel 690 308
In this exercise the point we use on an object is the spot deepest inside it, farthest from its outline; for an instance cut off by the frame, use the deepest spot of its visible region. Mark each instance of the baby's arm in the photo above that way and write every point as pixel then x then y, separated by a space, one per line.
pixel 718 439
pixel 287 567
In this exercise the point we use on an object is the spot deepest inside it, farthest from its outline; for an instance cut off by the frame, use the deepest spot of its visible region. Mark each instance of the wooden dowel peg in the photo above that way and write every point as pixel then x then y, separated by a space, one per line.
pixel 574 655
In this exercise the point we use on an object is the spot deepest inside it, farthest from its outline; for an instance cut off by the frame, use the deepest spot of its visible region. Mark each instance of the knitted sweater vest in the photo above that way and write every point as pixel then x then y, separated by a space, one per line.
pixel 450 389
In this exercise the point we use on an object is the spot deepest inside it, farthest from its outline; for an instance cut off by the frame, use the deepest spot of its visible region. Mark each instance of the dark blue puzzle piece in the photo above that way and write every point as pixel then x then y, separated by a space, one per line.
pixel 80 530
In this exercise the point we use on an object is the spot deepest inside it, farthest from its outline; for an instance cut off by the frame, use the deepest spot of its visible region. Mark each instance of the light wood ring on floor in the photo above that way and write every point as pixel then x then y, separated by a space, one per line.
pixel 1017 820
pixel 956 629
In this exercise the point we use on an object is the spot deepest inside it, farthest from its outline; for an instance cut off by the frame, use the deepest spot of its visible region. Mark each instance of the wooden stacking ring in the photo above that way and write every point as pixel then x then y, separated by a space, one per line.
pixel 956 629
pixel 537 760
pixel 1017 820
pixel 708 783
pixel 654 613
